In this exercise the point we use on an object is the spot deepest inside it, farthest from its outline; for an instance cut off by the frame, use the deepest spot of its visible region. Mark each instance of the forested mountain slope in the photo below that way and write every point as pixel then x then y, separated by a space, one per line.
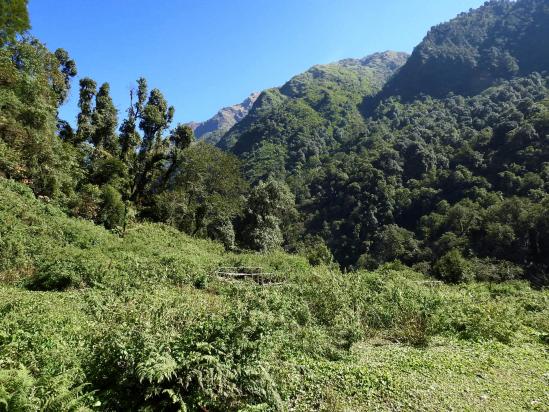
pixel 499 40
pixel 427 180
pixel 309 115
pixel 463 176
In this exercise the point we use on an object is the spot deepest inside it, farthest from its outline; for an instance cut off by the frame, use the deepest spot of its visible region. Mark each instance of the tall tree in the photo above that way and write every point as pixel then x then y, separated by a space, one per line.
pixel 30 82
pixel 104 121
pixel 14 19
pixel 268 208
pixel 155 118
pixel 68 70
pixel 88 90
pixel 129 138
pixel 180 138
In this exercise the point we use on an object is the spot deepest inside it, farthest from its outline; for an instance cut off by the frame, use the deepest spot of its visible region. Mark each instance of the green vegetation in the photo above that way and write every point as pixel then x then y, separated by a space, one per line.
pixel 143 323
pixel 469 53
pixel 112 236
pixel 463 174
pixel 419 178
pixel 312 114
pixel 14 19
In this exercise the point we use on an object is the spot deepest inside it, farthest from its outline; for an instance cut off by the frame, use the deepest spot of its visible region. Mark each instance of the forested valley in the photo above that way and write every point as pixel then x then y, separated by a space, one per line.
pixel 389 216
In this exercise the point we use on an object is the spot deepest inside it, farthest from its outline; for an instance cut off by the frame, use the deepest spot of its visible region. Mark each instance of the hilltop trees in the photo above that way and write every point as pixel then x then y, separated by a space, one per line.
pixel 473 51
pixel 33 83
pixel 85 103
pixel 152 170
pixel 104 120
pixel 14 19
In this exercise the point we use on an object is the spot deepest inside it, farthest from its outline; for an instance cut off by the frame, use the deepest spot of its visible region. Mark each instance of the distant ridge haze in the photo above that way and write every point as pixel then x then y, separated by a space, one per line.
pixel 224 119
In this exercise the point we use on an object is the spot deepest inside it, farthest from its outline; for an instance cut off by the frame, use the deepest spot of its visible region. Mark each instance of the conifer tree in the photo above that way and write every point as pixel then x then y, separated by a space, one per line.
pixel 104 121
pixel 88 90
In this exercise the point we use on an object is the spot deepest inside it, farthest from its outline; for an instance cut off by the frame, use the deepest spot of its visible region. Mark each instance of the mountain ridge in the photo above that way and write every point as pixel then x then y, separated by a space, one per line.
pixel 211 130
pixel 314 112
pixel 497 41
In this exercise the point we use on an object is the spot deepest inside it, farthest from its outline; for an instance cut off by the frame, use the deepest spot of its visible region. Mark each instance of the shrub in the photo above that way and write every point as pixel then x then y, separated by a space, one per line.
pixel 486 321
pixel 316 251
pixel 68 268
pixel 112 208
pixel 222 230
pixel 16 390
pixel 487 270
pixel 453 267
pixel 189 359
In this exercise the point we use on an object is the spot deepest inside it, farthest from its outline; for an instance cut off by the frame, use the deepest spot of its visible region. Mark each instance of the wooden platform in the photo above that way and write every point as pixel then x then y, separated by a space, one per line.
pixel 243 273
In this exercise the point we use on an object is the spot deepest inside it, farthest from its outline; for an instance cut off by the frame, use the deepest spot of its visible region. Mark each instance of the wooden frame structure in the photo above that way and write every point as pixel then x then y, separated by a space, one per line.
pixel 243 273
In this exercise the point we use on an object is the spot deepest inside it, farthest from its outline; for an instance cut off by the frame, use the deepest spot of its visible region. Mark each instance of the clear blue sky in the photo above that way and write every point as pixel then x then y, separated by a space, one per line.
pixel 206 54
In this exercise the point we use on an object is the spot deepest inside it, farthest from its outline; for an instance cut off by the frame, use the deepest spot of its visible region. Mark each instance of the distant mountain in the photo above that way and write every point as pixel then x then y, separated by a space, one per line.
pixel 439 157
pixel 500 40
pixel 211 130
pixel 311 114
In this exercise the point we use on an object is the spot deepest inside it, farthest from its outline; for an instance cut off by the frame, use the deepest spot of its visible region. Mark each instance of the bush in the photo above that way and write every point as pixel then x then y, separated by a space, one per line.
pixel 453 268
pixel 68 268
pixel 489 321
pixel 222 230
pixel 112 212
pixel 316 251
pixel 487 270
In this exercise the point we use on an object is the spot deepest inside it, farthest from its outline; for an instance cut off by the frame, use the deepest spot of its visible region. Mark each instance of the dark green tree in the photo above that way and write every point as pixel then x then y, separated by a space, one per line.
pixel 155 118
pixel 31 83
pixel 88 90
pixel 269 209
pixel 68 69
pixel 104 122
pixel 205 194
pixel 14 19
pixel 129 137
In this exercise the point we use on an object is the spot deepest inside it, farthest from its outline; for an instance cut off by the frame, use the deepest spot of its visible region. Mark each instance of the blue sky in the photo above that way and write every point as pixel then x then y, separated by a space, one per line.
pixel 206 54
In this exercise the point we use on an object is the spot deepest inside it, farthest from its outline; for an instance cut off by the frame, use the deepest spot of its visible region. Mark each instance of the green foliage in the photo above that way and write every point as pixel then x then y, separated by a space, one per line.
pixel 308 116
pixel 112 208
pixel 151 327
pixel 88 90
pixel 33 82
pixel 455 186
pixel 472 51
pixel 205 193
pixel 269 208
pixel 433 176
pixel 315 250
pixel 452 267
pixel 104 120
pixel 14 19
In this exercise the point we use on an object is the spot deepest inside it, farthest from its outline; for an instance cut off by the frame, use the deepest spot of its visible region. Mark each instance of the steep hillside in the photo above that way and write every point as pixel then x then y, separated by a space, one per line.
pixel 309 115
pixel 213 129
pixel 499 40
pixel 94 321
pixel 440 180
pixel 431 181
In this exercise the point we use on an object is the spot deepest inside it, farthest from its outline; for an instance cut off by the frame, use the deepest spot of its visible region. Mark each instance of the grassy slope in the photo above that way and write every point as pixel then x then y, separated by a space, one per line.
pixel 361 341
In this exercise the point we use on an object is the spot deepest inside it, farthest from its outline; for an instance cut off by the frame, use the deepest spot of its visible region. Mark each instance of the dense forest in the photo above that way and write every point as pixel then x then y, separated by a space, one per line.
pixel 394 208
pixel 428 182
pixel 454 182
